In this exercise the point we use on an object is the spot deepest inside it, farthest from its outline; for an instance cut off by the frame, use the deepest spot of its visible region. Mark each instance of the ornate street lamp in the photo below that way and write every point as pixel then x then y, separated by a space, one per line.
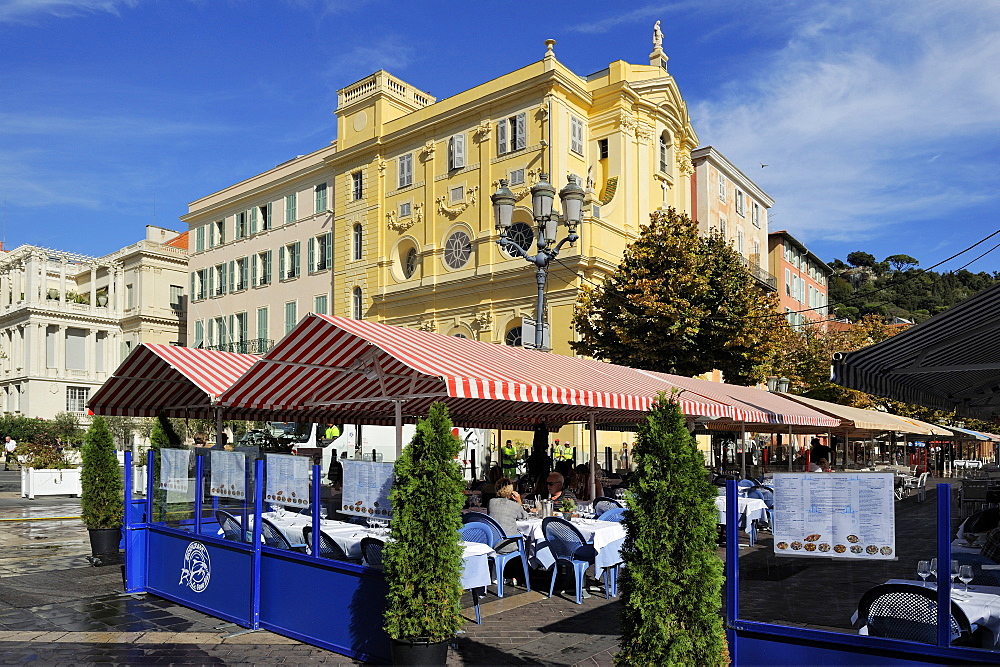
pixel 547 224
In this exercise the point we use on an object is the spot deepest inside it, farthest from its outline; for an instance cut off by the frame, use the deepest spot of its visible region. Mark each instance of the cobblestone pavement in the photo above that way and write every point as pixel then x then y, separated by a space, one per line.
pixel 55 608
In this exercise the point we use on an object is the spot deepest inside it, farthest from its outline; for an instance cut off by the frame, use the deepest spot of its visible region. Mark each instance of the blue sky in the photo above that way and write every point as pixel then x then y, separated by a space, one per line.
pixel 879 121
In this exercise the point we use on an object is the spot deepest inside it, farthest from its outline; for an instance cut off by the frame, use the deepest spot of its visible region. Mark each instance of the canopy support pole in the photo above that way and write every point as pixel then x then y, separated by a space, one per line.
pixel 218 426
pixel 399 428
pixel 593 455
pixel 790 448
pixel 743 459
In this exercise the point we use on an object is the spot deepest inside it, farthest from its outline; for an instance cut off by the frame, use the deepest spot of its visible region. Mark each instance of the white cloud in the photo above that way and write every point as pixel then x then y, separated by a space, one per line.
pixel 17 11
pixel 868 115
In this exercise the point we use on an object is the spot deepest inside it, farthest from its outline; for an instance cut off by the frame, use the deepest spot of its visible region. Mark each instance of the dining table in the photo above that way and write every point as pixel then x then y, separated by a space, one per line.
pixel 475 556
pixel 607 538
pixel 754 508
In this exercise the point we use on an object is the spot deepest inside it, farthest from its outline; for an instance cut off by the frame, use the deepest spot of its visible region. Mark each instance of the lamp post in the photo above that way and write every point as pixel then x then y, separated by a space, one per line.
pixel 547 224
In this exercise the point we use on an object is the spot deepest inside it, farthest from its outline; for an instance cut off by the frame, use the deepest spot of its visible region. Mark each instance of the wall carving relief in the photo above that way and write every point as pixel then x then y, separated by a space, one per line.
pixel 457 209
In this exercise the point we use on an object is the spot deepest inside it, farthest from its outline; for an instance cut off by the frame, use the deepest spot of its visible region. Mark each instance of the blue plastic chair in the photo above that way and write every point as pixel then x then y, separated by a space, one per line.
pixel 475 533
pixel 276 539
pixel 327 547
pixel 602 504
pixel 745 484
pixel 759 492
pixel 613 514
pixel 499 541
pixel 567 545
pixel 371 549
pixel 231 528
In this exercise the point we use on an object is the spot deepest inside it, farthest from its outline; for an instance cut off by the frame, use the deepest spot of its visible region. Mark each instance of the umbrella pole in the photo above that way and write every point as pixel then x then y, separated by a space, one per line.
pixel 218 426
pixel 593 456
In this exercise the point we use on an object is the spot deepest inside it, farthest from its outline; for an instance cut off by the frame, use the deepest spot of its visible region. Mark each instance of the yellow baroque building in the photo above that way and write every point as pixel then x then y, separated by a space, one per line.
pixel 393 221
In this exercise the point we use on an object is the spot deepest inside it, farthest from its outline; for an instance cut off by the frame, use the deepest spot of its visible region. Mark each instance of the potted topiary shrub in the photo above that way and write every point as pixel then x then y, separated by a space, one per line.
pixel 102 504
pixel 671 585
pixel 423 560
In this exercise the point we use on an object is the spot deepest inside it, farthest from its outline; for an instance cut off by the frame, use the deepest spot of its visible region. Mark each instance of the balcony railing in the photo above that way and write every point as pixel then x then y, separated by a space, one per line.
pixel 763 277
pixel 252 346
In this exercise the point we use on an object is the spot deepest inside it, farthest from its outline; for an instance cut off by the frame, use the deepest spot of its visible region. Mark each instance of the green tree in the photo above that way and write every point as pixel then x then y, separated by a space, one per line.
pixel 102 503
pixel 679 303
pixel 66 425
pixel 861 258
pixel 672 580
pixel 423 561
pixel 162 435
pixel 121 429
pixel 901 262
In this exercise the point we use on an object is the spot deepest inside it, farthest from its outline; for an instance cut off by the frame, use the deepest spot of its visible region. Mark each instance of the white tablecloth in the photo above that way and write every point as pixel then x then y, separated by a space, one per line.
pixel 981 605
pixel 755 508
pixel 606 536
pixel 475 573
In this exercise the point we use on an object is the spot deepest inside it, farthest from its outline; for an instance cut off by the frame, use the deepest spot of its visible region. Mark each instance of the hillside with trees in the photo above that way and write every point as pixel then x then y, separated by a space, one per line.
pixel 897 287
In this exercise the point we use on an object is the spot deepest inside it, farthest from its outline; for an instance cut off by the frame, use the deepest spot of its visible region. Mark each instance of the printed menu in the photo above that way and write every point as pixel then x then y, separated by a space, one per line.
pixel 229 474
pixel 287 480
pixel 366 488
pixel 835 515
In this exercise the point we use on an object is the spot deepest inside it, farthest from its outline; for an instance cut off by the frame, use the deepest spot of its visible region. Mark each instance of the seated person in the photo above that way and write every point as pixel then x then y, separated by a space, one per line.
pixel 506 509
pixel 557 493
pixel 816 467
pixel 581 486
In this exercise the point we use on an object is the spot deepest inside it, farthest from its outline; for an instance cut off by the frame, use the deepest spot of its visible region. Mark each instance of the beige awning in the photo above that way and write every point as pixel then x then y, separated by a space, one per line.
pixel 869 420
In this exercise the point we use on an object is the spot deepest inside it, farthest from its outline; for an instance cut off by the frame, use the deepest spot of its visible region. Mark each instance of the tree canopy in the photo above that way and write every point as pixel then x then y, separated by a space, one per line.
pixel 680 303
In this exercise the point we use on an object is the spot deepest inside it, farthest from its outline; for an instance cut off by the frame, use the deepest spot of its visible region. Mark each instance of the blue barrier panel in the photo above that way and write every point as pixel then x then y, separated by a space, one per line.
pixel 204 573
pixel 334 605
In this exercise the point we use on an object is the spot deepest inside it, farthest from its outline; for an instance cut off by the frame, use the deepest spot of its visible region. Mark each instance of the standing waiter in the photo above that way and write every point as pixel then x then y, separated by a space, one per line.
pixel 508 460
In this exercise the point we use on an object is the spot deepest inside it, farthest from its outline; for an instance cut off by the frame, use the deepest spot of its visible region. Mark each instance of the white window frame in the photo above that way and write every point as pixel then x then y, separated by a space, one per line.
pixel 755 209
pixel 220 277
pixel 357 242
pixel 357 185
pixel 76 398
pixel 512 134
pixel 516 176
pixel 405 209
pixel 576 134
pixel 456 152
pixel 357 303
pixel 261 269
pixel 740 207
pixel 406 170
pixel 722 187
pixel 320 252
pixel 460 190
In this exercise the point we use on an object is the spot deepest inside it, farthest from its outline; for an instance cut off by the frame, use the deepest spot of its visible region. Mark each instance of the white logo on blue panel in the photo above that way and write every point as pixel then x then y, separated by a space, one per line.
pixel 197 567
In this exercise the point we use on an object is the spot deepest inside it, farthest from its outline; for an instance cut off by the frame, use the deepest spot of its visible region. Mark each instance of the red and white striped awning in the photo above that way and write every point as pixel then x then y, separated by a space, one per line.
pixel 332 367
pixel 178 381
pixel 759 410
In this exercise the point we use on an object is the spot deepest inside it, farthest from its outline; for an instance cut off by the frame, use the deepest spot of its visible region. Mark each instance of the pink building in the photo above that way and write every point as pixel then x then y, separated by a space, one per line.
pixel 803 278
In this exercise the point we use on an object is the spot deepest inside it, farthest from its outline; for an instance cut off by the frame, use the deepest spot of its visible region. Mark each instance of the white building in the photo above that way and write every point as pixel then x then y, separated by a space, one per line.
pixel 67 320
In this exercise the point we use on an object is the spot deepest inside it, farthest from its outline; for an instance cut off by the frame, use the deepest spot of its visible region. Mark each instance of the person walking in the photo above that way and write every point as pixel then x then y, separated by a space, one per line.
pixel 9 446
pixel 563 452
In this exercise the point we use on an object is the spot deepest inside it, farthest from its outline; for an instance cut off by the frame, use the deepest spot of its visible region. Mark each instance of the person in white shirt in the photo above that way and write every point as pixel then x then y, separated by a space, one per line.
pixel 9 446
pixel 815 467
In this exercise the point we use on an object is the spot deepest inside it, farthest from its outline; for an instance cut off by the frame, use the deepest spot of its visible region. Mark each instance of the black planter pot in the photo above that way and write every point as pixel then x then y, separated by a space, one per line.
pixel 104 541
pixel 419 652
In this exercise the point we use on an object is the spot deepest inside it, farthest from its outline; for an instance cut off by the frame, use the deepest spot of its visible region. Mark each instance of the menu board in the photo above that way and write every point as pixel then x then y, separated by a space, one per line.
pixel 366 488
pixel 228 474
pixel 174 464
pixel 287 480
pixel 835 515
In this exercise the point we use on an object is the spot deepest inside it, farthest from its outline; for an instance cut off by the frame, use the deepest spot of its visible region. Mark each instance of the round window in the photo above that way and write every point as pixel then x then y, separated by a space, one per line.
pixel 410 263
pixel 522 235
pixel 513 337
pixel 457 250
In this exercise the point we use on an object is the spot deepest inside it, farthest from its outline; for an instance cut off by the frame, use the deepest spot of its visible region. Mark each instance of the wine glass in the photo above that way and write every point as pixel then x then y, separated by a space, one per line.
pixel 323 512
pixel 954 570
pixel 934 568
pixel 275 508
pixel 965 575
pixel 924 571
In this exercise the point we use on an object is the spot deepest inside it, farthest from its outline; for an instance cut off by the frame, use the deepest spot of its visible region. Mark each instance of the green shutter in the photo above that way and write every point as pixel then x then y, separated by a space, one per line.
pixel 297 257
pixel 329 250
pixel 267 267
pixel 253 270
pixel 312 254
pixel 194 294
pixel 281 263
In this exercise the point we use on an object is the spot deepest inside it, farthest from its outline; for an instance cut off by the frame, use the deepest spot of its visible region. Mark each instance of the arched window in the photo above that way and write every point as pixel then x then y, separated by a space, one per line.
pixel 664 148
pixel 457 250
pixel 358 241
pixel 358 304
pixel 521 234
pixel 513 337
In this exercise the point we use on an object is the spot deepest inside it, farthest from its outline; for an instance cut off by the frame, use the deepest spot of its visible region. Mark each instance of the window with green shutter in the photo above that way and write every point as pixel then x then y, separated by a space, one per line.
pixel 291 206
